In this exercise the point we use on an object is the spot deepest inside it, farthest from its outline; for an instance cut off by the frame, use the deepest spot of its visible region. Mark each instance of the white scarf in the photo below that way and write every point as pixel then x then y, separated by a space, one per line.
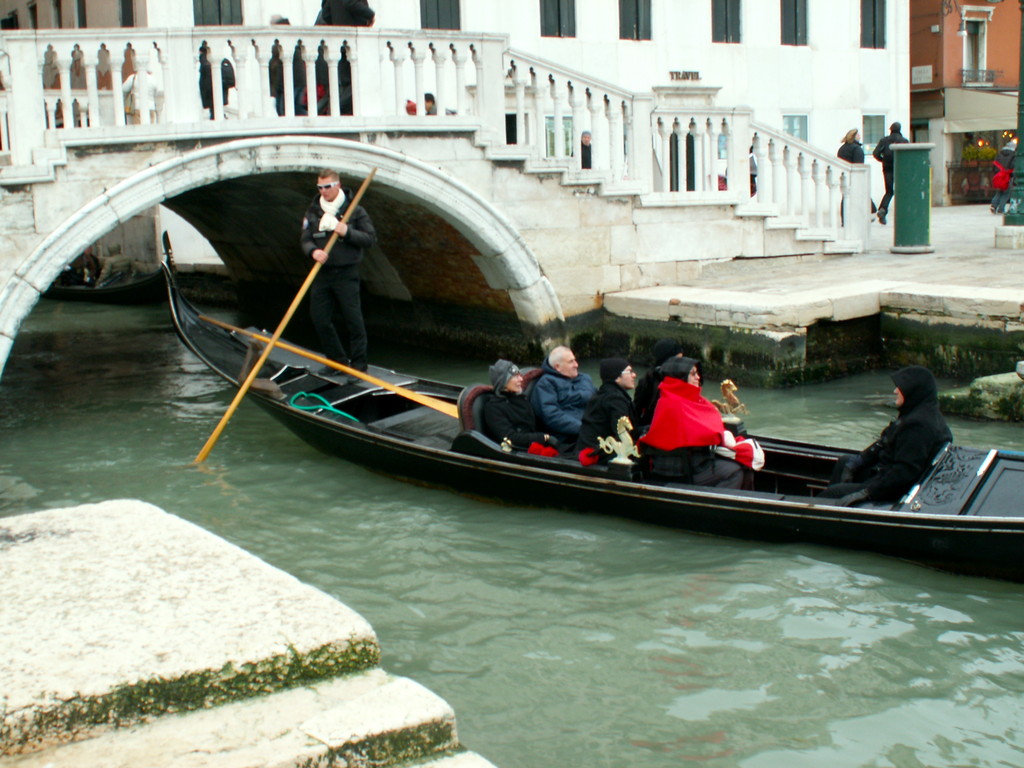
pixel 330 218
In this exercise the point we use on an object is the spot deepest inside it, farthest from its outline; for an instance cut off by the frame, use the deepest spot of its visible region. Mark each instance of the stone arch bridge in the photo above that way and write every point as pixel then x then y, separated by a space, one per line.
pixel 488 224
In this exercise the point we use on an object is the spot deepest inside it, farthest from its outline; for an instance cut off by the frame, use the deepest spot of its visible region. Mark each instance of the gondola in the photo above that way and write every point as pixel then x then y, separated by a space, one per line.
pixel 119 288
pixel 964 515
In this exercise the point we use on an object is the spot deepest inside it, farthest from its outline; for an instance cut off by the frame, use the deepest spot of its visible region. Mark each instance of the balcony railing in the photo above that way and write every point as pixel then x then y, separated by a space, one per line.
pixel 979 76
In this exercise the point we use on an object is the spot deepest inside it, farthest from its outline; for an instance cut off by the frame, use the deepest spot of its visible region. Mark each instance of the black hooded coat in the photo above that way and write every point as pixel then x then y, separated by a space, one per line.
pixel 892 464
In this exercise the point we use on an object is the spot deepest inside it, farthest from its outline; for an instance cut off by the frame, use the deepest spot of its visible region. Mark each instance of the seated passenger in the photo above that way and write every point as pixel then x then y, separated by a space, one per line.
pixel 560 395
pixel 606 407
pixel 889 467
pixel 508 414
pixel 646 396
pixel 685 430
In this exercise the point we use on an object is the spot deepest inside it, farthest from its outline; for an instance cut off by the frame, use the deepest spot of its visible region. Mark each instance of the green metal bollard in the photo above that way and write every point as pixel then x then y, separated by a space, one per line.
pixel 912 187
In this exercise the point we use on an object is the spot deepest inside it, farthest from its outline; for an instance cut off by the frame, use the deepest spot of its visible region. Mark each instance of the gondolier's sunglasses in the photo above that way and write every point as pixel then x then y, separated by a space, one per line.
pixel 328 186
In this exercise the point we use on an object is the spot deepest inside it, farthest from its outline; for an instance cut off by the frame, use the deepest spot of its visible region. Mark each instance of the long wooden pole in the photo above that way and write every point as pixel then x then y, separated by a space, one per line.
pixel 212 440
pixel 442 406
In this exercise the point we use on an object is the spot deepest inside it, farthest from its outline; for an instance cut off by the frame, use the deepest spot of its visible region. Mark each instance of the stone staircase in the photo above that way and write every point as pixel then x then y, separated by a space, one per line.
pixel 134 638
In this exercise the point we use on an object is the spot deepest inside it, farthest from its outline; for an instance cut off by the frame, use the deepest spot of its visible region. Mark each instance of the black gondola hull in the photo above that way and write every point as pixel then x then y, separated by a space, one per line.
pixel 963 518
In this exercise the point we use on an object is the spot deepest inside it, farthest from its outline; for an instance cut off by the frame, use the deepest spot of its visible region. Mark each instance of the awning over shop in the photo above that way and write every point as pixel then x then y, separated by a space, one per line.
pixel 969 110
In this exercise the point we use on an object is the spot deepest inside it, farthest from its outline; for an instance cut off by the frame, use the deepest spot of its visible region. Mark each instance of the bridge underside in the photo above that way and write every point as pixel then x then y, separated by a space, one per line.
pixel 421 280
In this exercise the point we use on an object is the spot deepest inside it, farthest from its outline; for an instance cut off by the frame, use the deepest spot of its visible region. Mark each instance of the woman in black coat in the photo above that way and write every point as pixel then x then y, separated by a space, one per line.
pixel 889 467
pixel 852 151
pixel 508 413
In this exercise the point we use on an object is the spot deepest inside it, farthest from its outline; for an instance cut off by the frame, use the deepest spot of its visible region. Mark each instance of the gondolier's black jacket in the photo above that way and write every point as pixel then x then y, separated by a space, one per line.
pixel 347 250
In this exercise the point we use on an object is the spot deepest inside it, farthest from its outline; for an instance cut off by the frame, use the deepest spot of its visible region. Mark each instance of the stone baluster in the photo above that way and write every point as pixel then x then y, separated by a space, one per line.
pixel 217 94
pixel 764 175
pixel 665 133
pixel 699 155
pixel 287 52
pixel 790 159
pixel 558 96
pixel 777 172
pixel 598 130
pixel 418 57
pixel 629 144
pixel 459 59
pixel 616 138
pixel 537 139
pixel 397 59
pixel 818 174
pixel 714 132
pixel 309 56
pixel 441 98
pixel 116 67
pixel 578 119
pixel 803 167
pixel 520 85
pixel 64 73
pixel 682 161
pixel 333 83
pixel 478 61
pixel 832 179
pixel 92 89
pixel 262 55
pixel 143 100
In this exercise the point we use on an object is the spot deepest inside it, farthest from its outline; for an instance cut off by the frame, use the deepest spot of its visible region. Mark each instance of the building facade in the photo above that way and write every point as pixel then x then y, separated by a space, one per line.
pixel 963 92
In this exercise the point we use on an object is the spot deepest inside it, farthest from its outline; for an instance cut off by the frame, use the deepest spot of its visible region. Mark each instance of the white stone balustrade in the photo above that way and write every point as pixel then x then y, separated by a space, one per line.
pixel 675 145
pixel 81 80
pixel 807 186
pixel 553 106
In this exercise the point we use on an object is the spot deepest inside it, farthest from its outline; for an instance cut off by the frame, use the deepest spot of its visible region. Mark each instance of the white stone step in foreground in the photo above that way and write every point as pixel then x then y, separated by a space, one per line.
pixel 131 637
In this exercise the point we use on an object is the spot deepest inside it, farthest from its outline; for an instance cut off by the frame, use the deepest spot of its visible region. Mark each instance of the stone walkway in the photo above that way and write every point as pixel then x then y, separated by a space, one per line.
pixel 965 277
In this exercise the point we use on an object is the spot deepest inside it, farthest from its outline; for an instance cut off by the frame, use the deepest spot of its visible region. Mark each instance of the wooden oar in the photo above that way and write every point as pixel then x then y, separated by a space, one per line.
pixel 442 406
pixel 280 329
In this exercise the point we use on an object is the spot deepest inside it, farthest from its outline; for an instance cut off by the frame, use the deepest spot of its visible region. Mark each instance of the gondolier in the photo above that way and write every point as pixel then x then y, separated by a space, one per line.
pixel 337 285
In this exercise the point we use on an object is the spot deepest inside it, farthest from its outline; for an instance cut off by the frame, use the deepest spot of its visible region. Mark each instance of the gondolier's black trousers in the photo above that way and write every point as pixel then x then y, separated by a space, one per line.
pixel 337 288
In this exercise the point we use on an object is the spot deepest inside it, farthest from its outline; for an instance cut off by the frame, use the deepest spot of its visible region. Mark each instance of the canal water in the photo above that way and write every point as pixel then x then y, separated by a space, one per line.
pixel 560 639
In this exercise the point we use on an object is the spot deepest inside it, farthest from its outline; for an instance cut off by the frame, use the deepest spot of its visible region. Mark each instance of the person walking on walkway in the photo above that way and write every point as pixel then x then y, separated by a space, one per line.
pixel 852 151
pixel 1002 179
pixel 337 284
pixel 883 154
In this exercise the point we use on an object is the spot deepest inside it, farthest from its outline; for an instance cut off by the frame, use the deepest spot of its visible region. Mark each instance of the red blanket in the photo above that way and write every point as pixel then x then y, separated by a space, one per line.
pixel 682 418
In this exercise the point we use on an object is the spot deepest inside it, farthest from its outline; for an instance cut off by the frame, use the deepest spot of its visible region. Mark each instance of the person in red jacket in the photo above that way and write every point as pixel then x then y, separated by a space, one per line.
pixel 685 431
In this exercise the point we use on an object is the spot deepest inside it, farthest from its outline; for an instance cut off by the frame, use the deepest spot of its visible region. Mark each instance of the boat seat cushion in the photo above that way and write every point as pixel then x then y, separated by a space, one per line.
pixel 471 406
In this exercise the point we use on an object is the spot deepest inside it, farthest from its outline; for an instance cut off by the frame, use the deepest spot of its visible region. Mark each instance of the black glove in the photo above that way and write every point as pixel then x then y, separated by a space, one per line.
pixel 850 469
pixel 852 498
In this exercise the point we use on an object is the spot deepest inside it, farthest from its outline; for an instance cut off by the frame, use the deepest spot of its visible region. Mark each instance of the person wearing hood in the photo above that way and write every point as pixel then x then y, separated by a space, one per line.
pixel 508 414
pixel 337 284
pixel 1002 179
pixel 685 430
pixel 605 408
pixel 560 395
pixel 889 467
pixel 646 395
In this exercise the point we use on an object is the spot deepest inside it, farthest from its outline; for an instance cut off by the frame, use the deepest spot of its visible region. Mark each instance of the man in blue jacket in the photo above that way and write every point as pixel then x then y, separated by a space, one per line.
pixel 561 394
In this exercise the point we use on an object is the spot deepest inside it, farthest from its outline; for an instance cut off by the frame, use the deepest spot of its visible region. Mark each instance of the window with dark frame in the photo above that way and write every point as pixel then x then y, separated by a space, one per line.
pixel 725 21
pixel 440 14
pixel 213 13
pixel 634 19
pixel 872 23
pixel 558 18
pixel 794 22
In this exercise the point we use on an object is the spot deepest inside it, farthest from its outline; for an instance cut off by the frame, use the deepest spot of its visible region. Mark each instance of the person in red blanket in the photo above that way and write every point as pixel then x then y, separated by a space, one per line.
pixel 685 431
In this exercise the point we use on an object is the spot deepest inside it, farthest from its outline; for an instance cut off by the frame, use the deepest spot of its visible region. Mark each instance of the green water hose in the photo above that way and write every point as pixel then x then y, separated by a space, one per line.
pixel 320 404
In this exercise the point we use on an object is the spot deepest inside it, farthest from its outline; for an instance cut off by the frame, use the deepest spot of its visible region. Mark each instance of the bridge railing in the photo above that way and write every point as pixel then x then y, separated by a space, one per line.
pixel 107 82
pixel 552 108
pixel 801 183
pixel 674 144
